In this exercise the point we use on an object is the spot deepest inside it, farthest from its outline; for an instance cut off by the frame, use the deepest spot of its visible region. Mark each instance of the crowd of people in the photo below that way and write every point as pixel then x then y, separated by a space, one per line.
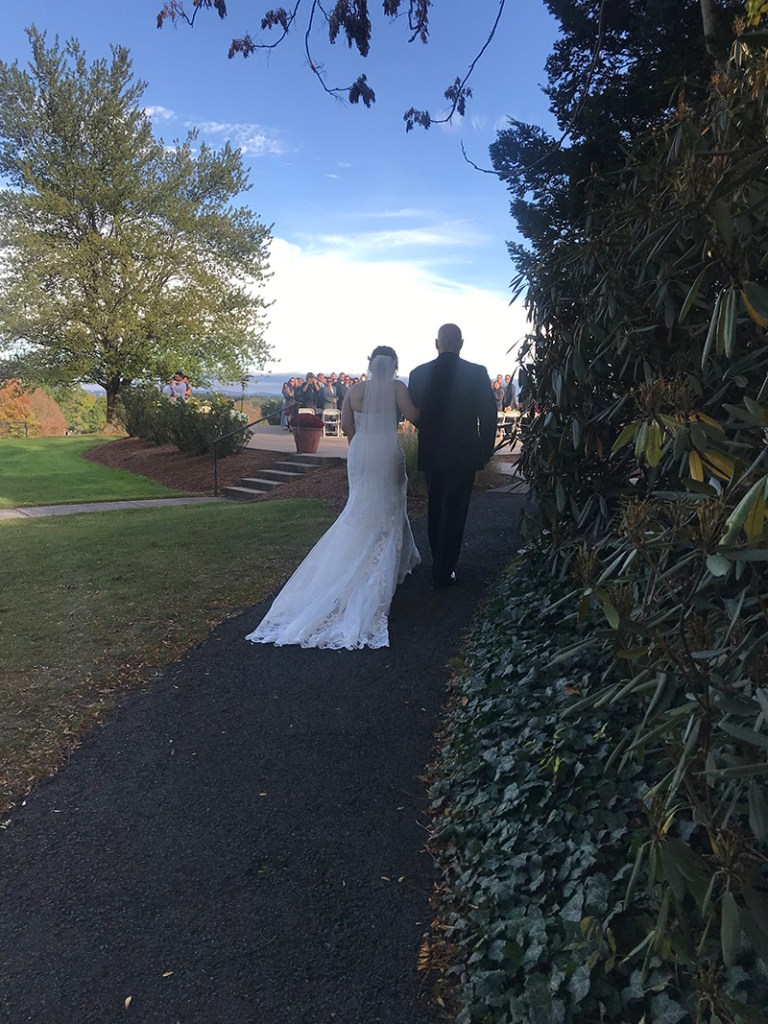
pixel 504 392
pixel 327 391
pixel 315 392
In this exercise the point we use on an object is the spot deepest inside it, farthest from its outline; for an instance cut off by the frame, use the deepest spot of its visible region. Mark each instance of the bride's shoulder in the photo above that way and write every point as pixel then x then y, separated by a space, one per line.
pixel 356 394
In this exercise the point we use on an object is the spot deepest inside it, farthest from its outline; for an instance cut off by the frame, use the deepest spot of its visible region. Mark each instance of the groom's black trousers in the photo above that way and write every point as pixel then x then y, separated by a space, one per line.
pixel 448 503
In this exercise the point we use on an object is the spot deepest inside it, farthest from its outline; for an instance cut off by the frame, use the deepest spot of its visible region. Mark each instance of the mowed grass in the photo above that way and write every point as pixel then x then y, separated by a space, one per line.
pixel 94 604
pixel 51 471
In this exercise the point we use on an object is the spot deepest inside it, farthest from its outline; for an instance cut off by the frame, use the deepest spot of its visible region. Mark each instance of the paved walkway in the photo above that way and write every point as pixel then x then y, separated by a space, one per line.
pixel 37 511
pixel 245 843
pixel 277 439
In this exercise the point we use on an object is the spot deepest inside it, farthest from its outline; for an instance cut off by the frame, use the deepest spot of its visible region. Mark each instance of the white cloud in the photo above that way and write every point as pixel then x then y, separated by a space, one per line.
pixel 403 213
pixel 449 235
pixel 159 113
pixel 331 310
pixel 250 138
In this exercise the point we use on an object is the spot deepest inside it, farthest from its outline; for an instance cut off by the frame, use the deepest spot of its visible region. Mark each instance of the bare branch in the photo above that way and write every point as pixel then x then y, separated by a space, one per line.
pixel 483 170
pixel 458 93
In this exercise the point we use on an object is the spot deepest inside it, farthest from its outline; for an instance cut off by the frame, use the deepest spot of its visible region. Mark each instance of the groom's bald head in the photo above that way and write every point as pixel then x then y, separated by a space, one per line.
pixel 449 339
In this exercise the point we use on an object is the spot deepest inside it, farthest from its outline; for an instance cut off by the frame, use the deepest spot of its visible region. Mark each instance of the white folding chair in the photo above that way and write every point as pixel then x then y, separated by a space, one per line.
pixel 331 422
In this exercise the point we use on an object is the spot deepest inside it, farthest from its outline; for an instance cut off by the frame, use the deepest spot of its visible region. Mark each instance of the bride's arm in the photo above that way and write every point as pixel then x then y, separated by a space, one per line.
pixel 347 418
pixel 405 403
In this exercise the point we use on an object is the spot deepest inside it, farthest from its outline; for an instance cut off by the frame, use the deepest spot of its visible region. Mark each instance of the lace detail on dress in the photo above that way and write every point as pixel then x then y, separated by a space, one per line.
pixel 339 597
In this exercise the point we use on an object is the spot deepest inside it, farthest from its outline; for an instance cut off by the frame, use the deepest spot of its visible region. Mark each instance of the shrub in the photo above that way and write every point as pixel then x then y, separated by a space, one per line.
pixel 146 414
pixel 648 360
pixel 417 484
pixel 196 425
pixel 192 426
pixel 271 408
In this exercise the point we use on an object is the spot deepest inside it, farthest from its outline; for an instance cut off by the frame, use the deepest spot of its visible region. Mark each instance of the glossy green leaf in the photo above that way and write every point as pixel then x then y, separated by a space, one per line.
pixel 758 811
pixel 730 929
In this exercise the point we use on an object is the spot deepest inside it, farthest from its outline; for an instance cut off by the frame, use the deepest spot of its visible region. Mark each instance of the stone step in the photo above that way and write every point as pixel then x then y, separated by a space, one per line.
pixel 282 476
pixel 291 467
pixel 258 483
pixel 241 493
pixel 312 461
pixel 294 467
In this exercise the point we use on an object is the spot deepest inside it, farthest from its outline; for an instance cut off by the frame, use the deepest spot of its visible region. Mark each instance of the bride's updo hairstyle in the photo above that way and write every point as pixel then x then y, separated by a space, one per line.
pixel 381 350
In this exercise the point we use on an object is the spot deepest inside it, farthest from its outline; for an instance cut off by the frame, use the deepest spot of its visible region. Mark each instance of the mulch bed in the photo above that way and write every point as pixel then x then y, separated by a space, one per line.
pixel 194 473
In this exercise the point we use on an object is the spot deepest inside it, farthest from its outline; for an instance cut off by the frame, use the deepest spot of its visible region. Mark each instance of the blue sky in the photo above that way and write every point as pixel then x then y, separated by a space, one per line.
pixel 379 235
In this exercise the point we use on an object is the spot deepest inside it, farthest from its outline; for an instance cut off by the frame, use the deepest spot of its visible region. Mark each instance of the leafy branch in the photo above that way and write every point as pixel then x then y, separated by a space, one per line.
pixel 353 22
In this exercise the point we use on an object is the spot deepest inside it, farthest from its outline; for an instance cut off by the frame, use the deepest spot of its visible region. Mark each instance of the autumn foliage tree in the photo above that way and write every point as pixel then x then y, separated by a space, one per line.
pixel 15 409
pixel 50 420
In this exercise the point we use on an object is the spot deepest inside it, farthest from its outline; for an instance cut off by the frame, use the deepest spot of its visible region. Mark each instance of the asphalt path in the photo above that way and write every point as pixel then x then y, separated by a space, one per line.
pixel 245 843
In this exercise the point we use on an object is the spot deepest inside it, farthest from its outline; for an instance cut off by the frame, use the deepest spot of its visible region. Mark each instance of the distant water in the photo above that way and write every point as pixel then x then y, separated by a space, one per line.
pixel 269 384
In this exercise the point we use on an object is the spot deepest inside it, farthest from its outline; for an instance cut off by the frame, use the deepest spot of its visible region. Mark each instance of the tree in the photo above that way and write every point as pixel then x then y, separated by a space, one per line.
pixel 14 408
pixel 51 421
pixel 84 412
pixel 121 259
pixel 615 69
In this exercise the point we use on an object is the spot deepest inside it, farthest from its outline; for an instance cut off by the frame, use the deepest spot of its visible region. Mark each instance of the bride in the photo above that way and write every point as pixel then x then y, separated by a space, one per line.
pixel 339 596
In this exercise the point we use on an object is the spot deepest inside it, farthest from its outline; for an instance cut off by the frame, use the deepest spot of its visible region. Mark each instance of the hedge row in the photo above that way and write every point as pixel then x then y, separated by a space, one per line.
pixel 192 426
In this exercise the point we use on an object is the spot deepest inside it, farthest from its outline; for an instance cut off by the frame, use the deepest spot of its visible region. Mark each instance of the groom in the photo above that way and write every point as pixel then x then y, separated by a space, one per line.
pixel 457 431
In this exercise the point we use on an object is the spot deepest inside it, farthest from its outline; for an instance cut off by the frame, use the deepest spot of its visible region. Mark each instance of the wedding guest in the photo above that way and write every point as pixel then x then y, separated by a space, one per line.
pixel 509 393
pixel 177 387
pixel 327 395
pixel 308 394
pixel 289 401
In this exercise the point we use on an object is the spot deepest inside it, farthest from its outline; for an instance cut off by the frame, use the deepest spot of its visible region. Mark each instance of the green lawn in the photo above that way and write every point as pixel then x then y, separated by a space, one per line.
pixel 92 603
pixel 50 471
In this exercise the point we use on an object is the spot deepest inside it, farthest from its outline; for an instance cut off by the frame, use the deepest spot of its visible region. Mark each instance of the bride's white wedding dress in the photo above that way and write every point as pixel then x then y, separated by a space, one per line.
pixel 339 597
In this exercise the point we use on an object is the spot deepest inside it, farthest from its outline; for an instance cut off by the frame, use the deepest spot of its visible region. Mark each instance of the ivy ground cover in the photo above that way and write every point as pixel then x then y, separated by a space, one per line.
pixel 553 900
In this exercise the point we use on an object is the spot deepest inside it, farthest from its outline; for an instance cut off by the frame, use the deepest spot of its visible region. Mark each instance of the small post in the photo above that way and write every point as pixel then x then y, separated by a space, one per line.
pixel 215 469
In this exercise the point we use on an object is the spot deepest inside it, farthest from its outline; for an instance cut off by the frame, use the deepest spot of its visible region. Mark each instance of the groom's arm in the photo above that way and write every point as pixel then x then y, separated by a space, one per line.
pixel 405 403
pixel 416 387
pixel 487 414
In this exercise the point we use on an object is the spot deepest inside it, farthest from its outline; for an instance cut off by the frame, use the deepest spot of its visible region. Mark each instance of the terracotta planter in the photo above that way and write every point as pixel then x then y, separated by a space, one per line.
pixel 307 439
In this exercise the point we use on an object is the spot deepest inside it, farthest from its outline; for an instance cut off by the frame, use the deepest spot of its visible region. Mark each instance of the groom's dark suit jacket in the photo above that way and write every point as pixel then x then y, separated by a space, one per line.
pixel 457 414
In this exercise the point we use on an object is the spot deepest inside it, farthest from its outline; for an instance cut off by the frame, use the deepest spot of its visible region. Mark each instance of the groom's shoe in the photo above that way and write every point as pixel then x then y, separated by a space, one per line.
pixel 444 582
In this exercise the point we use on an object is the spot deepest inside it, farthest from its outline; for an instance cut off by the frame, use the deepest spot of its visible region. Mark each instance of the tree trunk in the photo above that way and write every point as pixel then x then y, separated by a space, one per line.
pixel 711 23
pixel 112 388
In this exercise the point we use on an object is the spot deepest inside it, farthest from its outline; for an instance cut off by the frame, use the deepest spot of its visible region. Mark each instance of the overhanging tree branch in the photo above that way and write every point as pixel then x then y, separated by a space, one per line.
pixel 353 21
